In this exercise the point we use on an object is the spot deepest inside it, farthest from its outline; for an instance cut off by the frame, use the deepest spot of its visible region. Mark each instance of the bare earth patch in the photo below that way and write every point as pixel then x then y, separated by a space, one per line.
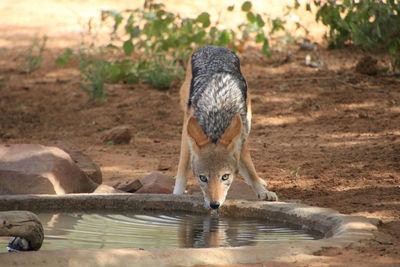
pixel 327 137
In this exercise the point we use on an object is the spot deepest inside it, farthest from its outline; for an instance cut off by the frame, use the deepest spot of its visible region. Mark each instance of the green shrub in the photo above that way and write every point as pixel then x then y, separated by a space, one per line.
pixel 156 45
pixel 368 24
pixel 152 30
pixel 93 73
pixel 34 58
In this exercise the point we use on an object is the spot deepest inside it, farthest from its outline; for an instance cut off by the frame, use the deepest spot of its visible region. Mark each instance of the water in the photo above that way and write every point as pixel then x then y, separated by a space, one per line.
pixel 82 230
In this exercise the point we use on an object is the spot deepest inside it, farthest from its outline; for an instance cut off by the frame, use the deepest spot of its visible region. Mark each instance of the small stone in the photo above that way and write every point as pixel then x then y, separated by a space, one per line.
pixel 157 183
pixel 162 166
pixel 367 65
pixel 103 188
pixel 118 135
pixel 307 45
pixel 129 186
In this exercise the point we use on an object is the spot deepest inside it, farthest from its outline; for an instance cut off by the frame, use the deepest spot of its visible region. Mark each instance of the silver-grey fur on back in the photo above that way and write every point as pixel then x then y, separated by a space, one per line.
pixel 218 90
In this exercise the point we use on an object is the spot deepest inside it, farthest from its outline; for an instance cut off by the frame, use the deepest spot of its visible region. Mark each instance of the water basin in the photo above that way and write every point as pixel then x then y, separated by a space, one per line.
pixel 337 230
pixel 162 230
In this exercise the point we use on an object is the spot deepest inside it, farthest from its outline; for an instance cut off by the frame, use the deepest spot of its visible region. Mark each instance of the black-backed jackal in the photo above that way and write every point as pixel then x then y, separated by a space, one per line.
pixel 216 125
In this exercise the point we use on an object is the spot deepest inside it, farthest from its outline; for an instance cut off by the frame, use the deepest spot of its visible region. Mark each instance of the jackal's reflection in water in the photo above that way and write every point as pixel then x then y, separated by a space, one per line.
pixel 215 231
pixel 192 231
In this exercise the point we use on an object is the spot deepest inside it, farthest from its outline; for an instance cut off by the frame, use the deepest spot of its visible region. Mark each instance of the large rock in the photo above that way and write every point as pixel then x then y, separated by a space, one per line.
pixel 241 190
pixel 91 169
pixel 157 183
pixel 37 169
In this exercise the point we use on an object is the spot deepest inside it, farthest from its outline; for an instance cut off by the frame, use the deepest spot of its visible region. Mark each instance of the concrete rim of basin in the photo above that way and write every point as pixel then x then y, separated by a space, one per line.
pixel 340 231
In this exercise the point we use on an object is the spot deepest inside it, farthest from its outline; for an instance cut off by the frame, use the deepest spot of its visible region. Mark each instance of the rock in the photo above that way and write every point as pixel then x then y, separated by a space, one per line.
pixel 118 135
pixel 25 228
pixel 38 169
pixel 103 188
pixel 367 65
pixel 157 183
pixel 91 169
pixel 129 186
pixel 307 45
pixel 241 190
pixel 193 189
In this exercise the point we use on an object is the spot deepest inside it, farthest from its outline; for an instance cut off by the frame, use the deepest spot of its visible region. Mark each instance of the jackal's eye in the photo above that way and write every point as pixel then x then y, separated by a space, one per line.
pixel 203 178
pixel 225 177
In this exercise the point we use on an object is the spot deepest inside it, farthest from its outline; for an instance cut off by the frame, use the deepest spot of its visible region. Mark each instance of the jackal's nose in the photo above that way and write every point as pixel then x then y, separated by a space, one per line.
pixel 214 205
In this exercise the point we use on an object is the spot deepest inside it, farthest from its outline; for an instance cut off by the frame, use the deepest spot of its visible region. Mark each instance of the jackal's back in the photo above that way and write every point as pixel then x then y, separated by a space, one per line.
pixel 218 90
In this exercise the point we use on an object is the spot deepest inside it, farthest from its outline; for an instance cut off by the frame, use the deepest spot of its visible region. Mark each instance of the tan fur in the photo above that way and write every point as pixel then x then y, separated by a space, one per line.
pixel 196 133
pixel 215 160
pixel 233 132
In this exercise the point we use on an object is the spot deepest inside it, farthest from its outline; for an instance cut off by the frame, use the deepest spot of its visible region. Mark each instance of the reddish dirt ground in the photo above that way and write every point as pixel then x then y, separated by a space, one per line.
pixel 338 128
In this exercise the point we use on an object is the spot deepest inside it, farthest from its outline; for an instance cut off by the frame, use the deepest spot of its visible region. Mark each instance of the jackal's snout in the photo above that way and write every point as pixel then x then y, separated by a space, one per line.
pixel 214 205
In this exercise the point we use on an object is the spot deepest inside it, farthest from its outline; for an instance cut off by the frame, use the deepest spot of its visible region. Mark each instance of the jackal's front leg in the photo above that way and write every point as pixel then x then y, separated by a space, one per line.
pixel 249 173
pixel 184 165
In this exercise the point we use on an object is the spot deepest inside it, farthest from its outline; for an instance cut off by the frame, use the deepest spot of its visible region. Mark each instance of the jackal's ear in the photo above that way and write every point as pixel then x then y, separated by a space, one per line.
pixel 232 133
pixel 196 133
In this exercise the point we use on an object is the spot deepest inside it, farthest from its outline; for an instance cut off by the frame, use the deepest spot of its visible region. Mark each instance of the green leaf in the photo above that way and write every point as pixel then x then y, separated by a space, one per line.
pixel 160 13
pixel 392 50
pixel 308 7
pixel 199 36
pixel 61 61
pixel 64 58
pixel 265 48
pixel 156 6
pixel 295 171
pixel 251 17
pixel 260 37
pixel 213 31
pixel 207 24
pixel 128 47
pixel 224 38
pixel 260 21
pixel 168 43
pixel 115 73
pixel 277 24
pixel 110 143
pixel 132 78
pixel 230 8
pixel 204 18
pixel 134 32
pixel 246 6
pixel 112 46
pixel 348 3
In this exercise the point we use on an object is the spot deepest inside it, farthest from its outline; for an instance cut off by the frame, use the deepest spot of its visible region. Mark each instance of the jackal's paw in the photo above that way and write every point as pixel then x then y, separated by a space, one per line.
pixel 267 195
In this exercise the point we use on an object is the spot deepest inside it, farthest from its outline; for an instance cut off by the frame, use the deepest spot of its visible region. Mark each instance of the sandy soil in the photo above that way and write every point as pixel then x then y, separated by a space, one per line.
pixel 338 128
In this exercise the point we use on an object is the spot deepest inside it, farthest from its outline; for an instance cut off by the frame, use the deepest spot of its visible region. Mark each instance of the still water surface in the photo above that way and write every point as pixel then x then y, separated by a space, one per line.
pixel 160 231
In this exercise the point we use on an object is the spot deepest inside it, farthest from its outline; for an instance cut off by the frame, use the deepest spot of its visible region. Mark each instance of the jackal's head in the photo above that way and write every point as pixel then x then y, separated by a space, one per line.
pixel 215 165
